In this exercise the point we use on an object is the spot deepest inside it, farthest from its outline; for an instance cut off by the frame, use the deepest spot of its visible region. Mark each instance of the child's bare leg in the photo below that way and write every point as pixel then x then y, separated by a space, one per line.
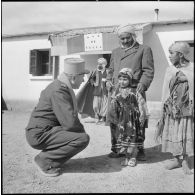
pixel 175 163
pixel 127 157
pixel 126 160
pixel 185 165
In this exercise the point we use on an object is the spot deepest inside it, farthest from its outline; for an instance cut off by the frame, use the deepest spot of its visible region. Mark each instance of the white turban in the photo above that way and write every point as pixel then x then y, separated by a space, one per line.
pixel 181 47
pixel 102 61
pixel 126 29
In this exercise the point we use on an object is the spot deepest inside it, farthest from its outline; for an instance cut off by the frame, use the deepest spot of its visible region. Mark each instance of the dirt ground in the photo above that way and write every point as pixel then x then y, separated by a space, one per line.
pixel 90 171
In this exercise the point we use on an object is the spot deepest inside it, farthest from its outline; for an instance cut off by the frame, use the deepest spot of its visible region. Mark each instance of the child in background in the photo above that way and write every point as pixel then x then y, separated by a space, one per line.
pixel 100 101
pixel 129 112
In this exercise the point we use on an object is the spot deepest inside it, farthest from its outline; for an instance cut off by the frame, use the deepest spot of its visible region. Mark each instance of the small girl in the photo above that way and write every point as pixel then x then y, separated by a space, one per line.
pixel 128 111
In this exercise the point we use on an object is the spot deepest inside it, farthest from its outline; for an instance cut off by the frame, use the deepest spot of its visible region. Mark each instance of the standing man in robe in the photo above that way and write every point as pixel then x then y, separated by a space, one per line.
pixel 139 58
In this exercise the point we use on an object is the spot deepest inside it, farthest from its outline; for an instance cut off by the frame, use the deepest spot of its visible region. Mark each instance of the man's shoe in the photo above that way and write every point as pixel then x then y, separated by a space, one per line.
pixel 49 172
pixel 141 155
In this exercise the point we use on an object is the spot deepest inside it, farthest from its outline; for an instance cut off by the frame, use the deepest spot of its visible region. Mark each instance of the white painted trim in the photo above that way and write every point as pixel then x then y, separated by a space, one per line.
pixel 46 77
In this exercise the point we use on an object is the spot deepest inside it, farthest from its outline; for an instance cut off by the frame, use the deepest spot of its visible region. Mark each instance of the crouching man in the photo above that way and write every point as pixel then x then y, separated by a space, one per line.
pixel 54 126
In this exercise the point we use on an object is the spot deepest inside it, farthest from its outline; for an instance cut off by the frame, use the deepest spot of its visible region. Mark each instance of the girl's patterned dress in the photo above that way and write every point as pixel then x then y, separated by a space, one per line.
pixel 127 110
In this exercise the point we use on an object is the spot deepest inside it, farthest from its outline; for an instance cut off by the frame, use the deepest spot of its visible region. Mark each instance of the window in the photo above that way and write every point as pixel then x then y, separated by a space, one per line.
pixel 40 62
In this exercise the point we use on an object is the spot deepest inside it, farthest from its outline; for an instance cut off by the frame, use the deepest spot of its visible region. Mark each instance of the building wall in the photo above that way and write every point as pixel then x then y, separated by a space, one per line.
pixel 159 39
pixel 19 86
pixel 17 83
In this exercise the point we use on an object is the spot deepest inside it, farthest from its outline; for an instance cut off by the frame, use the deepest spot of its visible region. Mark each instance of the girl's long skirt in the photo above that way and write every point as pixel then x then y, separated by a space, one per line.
pixel 178 136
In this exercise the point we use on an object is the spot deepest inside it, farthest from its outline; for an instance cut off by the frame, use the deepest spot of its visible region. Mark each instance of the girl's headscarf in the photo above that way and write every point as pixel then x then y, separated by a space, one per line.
pixel 181 47
pixel 171 71
pixel 127 72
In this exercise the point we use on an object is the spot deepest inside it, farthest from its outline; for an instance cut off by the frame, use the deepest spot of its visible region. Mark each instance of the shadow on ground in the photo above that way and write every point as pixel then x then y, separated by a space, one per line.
pixel 155 155
pixel 96 164
pixel 104 164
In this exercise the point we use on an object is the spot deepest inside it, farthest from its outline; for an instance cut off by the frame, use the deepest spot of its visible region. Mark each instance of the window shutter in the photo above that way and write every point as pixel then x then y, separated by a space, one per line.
pixel 33 62
pixel 50 63
pixel 56 71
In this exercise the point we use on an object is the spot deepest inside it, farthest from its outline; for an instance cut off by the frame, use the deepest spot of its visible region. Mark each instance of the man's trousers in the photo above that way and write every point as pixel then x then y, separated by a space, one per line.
pixel 57 144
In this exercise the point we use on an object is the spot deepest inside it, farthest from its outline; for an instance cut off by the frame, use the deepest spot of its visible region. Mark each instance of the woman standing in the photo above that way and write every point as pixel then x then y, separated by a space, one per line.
pixel 176 125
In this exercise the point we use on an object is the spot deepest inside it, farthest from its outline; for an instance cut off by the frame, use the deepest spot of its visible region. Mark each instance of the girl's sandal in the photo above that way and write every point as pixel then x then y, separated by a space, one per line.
pixel 132 162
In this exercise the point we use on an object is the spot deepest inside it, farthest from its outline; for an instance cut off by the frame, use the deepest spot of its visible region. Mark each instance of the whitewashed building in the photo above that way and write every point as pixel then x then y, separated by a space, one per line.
pixel 31 61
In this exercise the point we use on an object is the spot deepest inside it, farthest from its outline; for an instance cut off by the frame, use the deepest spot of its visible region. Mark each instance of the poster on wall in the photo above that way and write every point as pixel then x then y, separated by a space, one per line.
pixel 93 42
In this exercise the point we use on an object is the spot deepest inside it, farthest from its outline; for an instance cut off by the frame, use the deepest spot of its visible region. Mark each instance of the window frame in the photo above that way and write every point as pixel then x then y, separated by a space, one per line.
pixel 43 76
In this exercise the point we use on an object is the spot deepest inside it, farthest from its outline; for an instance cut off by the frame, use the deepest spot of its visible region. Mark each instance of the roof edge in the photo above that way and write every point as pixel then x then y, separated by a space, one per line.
pixel 4 36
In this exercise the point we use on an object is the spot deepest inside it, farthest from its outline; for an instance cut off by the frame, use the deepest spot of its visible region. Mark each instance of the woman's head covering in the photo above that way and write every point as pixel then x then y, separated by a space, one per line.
pixel 102 61
pixel 126 72
pixel 181 47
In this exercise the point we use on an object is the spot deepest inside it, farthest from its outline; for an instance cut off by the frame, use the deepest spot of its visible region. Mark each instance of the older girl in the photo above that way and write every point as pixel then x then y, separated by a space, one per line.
pixel 176 126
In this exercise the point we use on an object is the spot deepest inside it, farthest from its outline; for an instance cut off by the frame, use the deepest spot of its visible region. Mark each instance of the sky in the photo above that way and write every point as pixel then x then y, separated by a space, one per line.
pixel 51 16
